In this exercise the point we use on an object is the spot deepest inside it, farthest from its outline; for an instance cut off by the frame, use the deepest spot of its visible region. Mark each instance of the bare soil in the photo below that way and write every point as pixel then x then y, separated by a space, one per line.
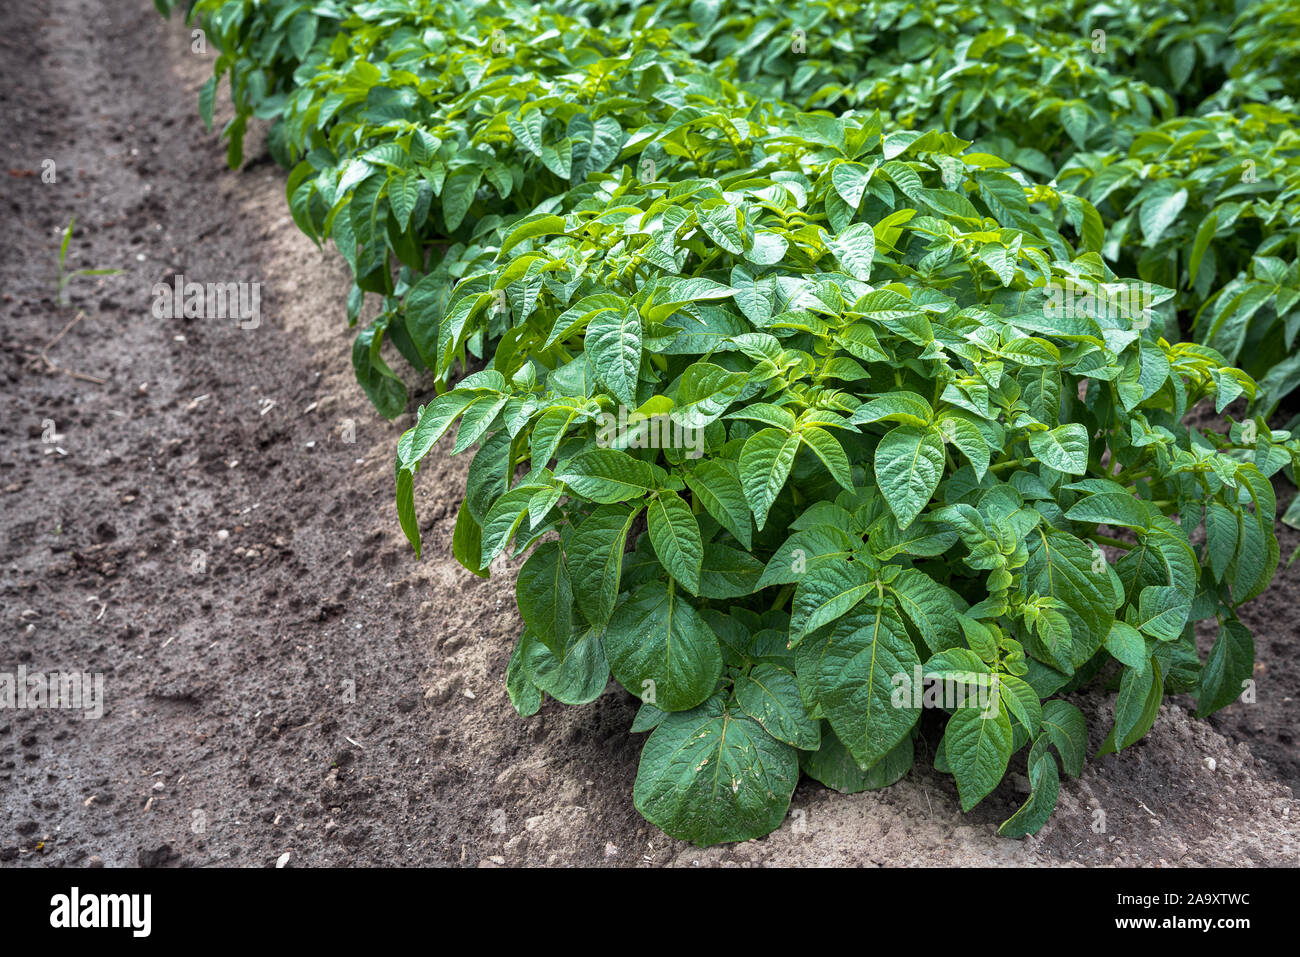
pixel 211 528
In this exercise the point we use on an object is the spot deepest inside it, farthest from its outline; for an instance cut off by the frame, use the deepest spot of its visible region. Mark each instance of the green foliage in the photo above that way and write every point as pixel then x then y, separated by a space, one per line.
pixel 64 276
pixel 800 418
pixel 899 472
pixel 1209 204
pixel 1088 96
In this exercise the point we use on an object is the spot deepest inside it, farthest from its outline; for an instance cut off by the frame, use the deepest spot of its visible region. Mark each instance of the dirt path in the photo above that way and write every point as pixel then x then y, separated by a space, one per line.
pixel 212 529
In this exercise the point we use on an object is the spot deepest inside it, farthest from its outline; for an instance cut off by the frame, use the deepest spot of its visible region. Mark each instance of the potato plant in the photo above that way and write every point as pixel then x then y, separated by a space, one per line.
pixel 802 423
pixel 905 467
pixel 1084 94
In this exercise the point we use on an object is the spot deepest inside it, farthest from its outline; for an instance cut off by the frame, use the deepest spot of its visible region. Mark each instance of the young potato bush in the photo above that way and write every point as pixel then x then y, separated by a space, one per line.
pixel 906 463
pixel 784 413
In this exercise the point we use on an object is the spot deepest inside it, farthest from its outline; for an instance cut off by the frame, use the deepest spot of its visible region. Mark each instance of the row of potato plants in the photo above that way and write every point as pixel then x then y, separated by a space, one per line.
pixel 1176 120
pixel 1208 205
pixel 780 407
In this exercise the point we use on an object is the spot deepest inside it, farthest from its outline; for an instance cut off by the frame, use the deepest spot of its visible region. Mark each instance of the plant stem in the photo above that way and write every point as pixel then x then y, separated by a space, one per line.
pixel 1124 477
pixel 1012 463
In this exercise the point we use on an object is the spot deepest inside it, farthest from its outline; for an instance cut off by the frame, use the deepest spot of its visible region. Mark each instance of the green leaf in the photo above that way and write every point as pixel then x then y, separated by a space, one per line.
pixel 957 664
pixel 577 316
pixel 1231 664
pixel 966 435
pixel 675 534
pixel 545 596
pixel 855 680
pixel 1045 788
pixel 1065 726
pixel 1158 214
pixel 929 606
pixel 764 466
pixel 531 228
pixel 1022 701
pixel 1204 234
pixel 676 292
pixel 1136 707
pixel 1163 611
pixel 922 539
pixel 595 559
pixel 207 98
pixel 648 717
pixel 614 344
pixel 728 572
pixel 660 649
pixel 381 385
pixel 302 33
pixel 713 774
pixel 720 225
pixel 827 448
pixel 609 475
pixel 804 549
pixel 718 490
pixel 1064 448
pixel 504 519
pixel 467 541
pixel 850 181
pixel 977 748
pixel 855 248
pixel 704 393
pixel 770 695
pixel 403 192
pixel 525 696
pixel 827 591
pixel 527 129
pixel 558 158
pixel 574 672
pixel 1221 530
pixel 1127 645
pixel 457 195
pixel 754 297
pixel 476 420
pixel 594 144
pixel 833 766
pixel 909 463
pixel 905 407
pixel 1060 566
pixel 1111 508
pixel 1075 119
pixel 406 508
